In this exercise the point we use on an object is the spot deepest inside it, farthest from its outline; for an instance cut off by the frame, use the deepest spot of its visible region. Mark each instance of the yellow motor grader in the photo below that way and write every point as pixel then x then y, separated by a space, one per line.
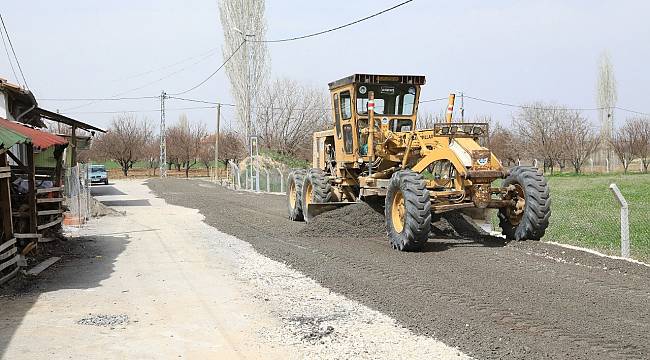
pixel 375 151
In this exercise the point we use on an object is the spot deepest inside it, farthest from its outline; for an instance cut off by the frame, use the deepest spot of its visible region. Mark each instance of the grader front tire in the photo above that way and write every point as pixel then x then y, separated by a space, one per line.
pixel 294 195
pixel 408 211
pixel 530 219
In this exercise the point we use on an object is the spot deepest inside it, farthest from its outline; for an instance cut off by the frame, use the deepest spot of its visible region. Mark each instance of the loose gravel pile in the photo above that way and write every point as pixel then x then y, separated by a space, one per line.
pixel 104 320
pixel 365 220
pixel 357 221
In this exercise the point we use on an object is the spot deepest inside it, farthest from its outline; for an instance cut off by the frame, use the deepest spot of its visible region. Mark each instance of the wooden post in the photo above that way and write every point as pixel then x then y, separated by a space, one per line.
pixel 58 157
pixel 5 200
pixel 73 157
pixel 31 194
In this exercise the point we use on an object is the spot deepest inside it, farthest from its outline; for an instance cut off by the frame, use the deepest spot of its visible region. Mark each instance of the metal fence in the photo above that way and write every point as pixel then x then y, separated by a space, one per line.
pixel 585 213
pixel 77 193
pixel 258 174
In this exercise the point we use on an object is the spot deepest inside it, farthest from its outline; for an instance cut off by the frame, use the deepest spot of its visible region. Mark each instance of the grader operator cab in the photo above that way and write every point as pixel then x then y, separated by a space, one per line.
pixel 374 151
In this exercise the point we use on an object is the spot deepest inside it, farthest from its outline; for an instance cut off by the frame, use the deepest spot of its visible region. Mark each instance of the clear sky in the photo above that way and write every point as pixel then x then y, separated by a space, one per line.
pixel 510 51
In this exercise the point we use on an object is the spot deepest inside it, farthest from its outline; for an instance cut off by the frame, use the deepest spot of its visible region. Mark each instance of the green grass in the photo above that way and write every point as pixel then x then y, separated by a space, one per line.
pixel 290 161
pixel 585 213
pixel 110 165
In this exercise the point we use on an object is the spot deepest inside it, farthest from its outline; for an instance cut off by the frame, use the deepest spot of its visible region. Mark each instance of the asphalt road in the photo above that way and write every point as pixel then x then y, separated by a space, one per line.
pixel 492 300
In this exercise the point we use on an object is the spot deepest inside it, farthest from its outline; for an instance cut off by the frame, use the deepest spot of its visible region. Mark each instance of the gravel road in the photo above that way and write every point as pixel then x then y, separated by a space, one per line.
pixel 490 299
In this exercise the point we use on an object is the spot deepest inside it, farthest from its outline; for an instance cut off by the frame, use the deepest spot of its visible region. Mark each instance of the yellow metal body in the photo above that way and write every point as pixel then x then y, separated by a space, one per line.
pixel 366 147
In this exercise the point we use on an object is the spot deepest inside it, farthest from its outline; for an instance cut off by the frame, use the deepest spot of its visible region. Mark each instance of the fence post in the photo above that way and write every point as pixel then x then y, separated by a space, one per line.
pixel 591 160
pixel 625 224
pixel 281 180
pixel 268 180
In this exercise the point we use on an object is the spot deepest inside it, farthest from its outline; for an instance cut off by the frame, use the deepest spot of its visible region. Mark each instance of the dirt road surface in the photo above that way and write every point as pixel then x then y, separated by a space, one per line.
pixel 493 300
pixel 159 283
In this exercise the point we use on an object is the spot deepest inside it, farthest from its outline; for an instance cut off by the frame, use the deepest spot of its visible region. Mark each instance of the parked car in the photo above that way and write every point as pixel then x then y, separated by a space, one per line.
pixel 98 174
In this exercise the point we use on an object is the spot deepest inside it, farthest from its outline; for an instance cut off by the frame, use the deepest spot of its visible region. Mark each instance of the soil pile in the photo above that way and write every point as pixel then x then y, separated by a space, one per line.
pixel 355 221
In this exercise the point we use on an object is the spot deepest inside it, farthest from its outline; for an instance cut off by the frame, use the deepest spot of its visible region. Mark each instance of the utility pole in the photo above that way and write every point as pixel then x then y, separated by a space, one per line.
pixel 163 135
pixel 216 144
pixel 462 107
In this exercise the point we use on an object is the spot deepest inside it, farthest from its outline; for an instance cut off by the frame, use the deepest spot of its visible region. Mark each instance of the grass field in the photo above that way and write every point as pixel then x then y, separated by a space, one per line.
pixel 585 213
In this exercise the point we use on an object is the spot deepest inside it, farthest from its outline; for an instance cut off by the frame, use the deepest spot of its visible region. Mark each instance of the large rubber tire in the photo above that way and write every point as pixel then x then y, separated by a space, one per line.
pixel 316 189
pixel 294 194
pixel 410 231
pixel 537 210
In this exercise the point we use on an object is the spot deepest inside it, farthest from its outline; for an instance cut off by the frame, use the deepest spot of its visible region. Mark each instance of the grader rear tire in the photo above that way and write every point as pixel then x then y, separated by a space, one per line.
pixel 530 221
pixel 408 211
pixel 294 194
pixel 316 189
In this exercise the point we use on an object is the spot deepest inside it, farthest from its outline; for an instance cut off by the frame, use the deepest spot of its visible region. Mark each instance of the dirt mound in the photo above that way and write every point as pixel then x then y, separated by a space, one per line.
pixel 456 225
pixel 366 220
pixel 355 221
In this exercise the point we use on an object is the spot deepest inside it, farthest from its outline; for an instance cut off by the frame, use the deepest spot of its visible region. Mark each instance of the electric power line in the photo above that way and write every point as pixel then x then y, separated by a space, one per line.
pixel 140 111
pixel 528 106
pixel 201 101
pixel 100 99
pixel 144 85
pixel 11 63
pixel 631 111
pixel 208 53
pixel 432 100
pixel 20 68
pixel 334 28
pixel 213 73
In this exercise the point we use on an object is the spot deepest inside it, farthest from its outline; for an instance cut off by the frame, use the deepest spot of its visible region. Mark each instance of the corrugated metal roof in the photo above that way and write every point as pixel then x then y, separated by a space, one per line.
pixel 40 139
pixel 9 138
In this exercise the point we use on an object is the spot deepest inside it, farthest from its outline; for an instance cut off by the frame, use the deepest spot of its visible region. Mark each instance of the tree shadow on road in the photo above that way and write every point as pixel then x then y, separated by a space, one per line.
pixel 85 263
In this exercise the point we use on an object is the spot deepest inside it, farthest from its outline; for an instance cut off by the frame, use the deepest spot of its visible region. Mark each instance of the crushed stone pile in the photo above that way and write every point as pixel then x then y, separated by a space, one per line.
pixel 355 221
pixel 365 220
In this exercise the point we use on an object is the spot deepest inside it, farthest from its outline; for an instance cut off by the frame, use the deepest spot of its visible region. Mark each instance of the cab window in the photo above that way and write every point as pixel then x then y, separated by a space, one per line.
pixel 347 138
pixel 346 105
pixel 337 115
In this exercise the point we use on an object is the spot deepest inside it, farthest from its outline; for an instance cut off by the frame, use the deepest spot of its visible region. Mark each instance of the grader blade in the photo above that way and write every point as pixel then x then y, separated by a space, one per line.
pixel 314 210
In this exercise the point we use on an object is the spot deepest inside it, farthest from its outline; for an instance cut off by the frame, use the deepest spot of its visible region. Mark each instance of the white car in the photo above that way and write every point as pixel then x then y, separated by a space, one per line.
pixel 98 174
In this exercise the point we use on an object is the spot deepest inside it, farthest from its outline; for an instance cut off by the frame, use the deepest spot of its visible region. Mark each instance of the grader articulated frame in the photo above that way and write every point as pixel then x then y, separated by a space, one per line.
pixel 374 151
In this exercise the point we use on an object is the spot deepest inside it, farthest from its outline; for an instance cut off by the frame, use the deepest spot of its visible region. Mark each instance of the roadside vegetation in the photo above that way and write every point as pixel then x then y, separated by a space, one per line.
pixel 585 213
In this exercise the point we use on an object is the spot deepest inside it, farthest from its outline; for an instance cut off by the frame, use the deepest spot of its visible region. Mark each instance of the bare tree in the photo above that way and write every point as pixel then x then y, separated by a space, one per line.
pixel 152 153
pixel 555 134
pixel 639 136
pixel 505 145
pixel 243 25
pixel 536 127
pixel 644 146
pixel 623 143
pixel 288 115
pixel 578 140
pixel 184 140
pixel 124 142
pixel 426 120
pixel 206 152
pixel 231 147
